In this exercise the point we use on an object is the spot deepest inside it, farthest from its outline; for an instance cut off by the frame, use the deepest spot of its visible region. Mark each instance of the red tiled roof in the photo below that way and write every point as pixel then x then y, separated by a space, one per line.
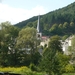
pixel 44 36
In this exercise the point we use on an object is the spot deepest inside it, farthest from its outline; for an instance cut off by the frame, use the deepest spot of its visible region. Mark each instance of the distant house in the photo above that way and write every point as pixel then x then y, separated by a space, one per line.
pixel 66 44
pixel 44 41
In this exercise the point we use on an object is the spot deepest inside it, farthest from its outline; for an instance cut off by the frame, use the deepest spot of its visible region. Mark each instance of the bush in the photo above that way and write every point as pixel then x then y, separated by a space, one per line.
pixel 33 67
pixel 19 70
pixel 69 68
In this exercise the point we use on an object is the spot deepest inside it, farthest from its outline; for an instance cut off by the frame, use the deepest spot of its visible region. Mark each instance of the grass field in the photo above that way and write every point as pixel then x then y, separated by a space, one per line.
pixel 69 74
pixel 20 70
pixel 25 71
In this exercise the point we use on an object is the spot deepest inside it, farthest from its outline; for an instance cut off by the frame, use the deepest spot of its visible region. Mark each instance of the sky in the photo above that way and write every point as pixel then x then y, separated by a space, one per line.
pixel 16 11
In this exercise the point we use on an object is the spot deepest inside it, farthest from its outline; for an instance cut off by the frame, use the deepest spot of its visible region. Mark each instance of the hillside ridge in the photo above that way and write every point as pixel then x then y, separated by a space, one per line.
pixel 59 16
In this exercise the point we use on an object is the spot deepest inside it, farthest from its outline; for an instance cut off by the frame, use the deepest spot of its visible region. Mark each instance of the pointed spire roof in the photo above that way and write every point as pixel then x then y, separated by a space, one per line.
pixel 38 27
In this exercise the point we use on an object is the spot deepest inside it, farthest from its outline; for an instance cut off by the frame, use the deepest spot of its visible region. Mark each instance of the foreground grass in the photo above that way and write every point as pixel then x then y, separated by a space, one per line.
pixel 69 74
pixel 25 71
pixel 15 70
pixel 20 70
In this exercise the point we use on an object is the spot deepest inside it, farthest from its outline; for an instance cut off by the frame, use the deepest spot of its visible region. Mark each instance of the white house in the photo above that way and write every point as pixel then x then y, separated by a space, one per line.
pixel 44 41
pixel 66 44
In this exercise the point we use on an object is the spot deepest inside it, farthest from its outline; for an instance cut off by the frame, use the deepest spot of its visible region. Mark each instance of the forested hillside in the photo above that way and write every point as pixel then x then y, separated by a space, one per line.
pixel 61 21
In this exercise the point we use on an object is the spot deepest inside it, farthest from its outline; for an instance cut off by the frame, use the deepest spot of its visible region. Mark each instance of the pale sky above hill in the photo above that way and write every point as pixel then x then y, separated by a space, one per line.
pixel 16 11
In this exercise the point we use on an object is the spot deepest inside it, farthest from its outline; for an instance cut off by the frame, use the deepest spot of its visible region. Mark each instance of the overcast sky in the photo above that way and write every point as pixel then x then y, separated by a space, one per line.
pixel 16 11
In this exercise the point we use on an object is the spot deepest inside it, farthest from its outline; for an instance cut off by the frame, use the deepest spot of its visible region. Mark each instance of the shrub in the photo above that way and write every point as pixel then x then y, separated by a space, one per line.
pixel 33 67
pixel 69 68
pixel 19 70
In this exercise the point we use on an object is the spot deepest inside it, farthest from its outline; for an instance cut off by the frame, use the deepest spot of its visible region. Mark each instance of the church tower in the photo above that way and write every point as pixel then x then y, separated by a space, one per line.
pixel 39 34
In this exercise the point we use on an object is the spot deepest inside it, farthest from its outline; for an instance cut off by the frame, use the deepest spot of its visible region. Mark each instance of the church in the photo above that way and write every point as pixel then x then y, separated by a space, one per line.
pixel 44 39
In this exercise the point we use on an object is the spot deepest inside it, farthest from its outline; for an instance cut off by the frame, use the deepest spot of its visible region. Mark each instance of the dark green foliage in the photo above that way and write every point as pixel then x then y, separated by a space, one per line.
pixel 65 37
pixel 53 60
pixel 18 47
pixel 63 61
pixel 50 62
pixel 55 43
pixel 27 43
pixel 32 67
pixel 7 44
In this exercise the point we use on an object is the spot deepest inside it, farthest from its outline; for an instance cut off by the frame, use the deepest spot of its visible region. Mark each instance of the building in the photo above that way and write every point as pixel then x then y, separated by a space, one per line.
pixel 44 39
pixel 66 44
pixel 39 34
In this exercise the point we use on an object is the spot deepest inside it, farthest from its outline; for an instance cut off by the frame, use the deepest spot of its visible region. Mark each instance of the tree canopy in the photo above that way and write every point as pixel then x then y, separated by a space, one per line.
pixel 53 60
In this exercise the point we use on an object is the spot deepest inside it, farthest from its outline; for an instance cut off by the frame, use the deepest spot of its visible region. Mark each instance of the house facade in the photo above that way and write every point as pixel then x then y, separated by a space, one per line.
pixel 66 44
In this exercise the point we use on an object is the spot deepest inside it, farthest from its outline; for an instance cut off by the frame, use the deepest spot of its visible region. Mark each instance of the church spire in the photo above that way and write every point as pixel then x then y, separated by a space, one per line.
pixel 39 34
pixel 38 28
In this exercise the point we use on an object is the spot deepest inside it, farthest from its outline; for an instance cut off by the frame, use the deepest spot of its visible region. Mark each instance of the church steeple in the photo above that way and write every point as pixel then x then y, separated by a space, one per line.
pixel 39 34
pixel 38 28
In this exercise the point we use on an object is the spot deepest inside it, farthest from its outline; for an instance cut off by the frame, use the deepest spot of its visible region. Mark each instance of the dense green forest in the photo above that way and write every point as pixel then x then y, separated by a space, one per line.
pixel 60 22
